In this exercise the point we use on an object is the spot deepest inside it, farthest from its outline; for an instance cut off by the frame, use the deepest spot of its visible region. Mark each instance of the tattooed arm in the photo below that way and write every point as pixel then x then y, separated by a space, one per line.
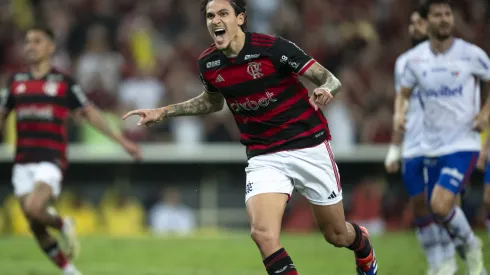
pixel 205 103
pixel 322 77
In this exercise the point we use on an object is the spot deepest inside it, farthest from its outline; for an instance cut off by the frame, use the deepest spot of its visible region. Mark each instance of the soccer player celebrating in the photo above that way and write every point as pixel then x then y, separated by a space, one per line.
pixel 446 70
pixel 42 99
pixel 285 133
pixel 434 239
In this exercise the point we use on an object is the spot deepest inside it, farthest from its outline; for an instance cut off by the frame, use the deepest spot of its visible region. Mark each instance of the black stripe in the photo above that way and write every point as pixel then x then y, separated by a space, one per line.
pixel 250 87
pixel 34 120
pixel 40 135
pixel 303 142
pixel 287 133
pixel 41 99
pixel 38 153
pixel 256 128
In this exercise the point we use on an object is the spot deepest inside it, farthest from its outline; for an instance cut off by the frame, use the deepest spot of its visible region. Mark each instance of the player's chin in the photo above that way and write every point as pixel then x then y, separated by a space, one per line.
pixel 222 45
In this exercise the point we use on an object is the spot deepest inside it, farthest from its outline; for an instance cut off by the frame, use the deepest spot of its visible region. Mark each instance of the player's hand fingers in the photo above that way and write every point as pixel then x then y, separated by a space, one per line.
pixel 312 102
pixel 146 120
pixel 321 100
pixel 132 113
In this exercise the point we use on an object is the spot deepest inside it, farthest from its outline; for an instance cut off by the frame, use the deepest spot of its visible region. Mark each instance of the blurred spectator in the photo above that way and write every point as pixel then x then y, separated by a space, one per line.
pixel 18 222
pixel 170 215
pixel 122 214
pixel 109 45
pixel 84 213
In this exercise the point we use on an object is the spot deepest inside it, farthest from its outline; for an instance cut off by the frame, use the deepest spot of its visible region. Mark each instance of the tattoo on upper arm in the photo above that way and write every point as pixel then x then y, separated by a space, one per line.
pixel 323 78
pixel 203 104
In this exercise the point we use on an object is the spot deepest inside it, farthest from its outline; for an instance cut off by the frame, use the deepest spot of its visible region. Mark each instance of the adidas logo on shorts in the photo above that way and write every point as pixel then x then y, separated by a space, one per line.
pixel 332 196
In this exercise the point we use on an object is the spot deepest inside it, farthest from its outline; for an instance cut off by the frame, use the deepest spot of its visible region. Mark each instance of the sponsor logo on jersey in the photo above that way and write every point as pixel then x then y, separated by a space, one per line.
pixel 251 105
pixel 213 64
pixel 35 113
pixel 252 56
pixel 444 91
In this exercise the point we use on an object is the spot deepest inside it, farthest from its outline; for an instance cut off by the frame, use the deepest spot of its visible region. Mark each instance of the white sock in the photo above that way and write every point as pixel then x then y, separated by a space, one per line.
pixel 446 242
pixel 69 267
pixel 428 237
pixel 459 227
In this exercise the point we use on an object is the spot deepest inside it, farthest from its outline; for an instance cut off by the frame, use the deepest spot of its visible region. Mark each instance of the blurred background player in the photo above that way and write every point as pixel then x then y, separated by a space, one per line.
pixel 42 99
pixel 446 70
pixel 286 135
pixel 433 238
pixel 484 165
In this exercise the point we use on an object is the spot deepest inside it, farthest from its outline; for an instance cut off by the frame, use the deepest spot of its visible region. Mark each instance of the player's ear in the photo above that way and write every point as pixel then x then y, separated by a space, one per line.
pixel 241 19
pixel 52 47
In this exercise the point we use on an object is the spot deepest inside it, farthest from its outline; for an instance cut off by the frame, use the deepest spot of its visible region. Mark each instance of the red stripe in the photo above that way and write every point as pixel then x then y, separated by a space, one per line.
pixel 277 258
pixel 59 112
pixel 262 36
pixel 207 51
pixel 319 113
pixel 240 73
pixel 261 44
pixel 31 142
pixel 35 87
pixel 277 143
pixel 276 130
pixel 306 66
pixel 41 126
pixel 256 97
pixel 334 165
pixel 292 272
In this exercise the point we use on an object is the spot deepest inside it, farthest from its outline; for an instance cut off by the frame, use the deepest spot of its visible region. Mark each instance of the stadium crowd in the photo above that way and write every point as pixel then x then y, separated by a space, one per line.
pixel 142 54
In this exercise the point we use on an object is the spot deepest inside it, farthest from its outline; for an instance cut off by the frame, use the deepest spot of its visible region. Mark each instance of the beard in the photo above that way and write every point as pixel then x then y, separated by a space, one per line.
pixel 416 41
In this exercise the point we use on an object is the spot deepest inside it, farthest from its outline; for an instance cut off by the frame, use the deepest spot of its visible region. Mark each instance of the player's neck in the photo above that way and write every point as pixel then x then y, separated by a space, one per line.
pixel 441 46
pixel 236 45
pixel 40 69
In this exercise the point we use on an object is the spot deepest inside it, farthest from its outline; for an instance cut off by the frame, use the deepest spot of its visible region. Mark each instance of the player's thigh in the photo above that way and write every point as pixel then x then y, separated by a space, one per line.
pixel 23 179
pixel 414 182
pixel 49 174
pixel 315 174
pixel 267 191
pixel 456 170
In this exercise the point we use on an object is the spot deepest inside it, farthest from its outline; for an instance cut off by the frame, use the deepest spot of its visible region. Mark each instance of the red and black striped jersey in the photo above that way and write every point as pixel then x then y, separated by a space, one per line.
pixel 42 108
pixel 261 87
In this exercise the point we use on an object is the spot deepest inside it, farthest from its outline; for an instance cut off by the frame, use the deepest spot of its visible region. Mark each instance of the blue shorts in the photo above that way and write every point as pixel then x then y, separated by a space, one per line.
pixel 449 171
pixel 413 175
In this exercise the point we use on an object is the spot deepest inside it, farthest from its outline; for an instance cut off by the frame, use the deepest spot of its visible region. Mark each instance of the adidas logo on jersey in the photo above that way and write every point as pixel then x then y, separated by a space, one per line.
pixel 219 79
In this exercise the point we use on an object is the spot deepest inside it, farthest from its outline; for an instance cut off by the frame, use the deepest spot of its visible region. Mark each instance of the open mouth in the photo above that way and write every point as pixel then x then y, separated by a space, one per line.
pixel 219 33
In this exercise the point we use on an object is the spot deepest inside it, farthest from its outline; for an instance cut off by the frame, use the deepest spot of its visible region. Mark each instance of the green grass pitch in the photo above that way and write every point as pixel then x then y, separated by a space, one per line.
pixel 230 254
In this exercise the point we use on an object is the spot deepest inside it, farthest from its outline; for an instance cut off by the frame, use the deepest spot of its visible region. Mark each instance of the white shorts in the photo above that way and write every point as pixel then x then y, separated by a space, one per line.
pixel 311 171
pixel 25 176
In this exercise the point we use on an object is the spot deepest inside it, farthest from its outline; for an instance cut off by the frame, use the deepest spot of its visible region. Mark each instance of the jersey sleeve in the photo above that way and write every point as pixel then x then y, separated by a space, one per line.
pixel 289 58
pixel 408 78
pixel 6 99
pixel 208 87
pixel 398 74
pixel 76 97
pixel 481 64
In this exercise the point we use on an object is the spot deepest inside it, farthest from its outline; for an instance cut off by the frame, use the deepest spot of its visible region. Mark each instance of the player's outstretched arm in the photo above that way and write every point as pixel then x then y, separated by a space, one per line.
pixel 328 84
pixel 205 103
pixel 401 107
pixel 392 160
pixel 96 119
pixel 482 119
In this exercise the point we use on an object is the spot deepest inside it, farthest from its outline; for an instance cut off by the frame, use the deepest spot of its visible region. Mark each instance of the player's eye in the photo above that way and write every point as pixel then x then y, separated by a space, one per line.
pixel 210 16
pixel 223 13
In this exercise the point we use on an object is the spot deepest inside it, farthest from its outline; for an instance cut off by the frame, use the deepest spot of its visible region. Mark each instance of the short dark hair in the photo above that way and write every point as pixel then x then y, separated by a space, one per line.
pixel 239 6
pixel 43 28
pixel 425 7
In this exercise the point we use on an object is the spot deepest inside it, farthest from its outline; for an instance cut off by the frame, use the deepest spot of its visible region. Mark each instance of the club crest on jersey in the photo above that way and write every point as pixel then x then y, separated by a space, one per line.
pixel 51 88
pixel 255 70
pixel 20 89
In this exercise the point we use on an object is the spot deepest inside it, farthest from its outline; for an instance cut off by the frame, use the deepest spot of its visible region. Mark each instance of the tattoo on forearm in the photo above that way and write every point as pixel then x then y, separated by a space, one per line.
pixel 323 78
pixel 203 104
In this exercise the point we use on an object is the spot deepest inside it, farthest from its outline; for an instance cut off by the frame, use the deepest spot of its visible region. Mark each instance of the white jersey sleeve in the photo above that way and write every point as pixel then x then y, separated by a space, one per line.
pixel 412 138
pixel 408 78
pixel 480 63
